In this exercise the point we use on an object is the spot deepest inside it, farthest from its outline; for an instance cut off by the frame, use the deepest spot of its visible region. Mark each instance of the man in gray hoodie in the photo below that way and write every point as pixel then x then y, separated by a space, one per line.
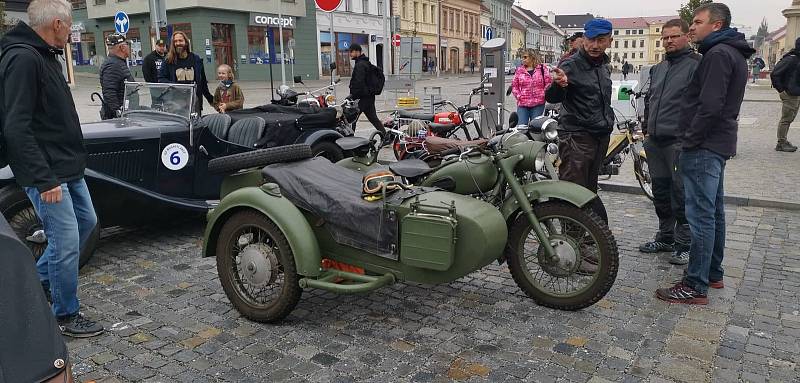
pixel 668 82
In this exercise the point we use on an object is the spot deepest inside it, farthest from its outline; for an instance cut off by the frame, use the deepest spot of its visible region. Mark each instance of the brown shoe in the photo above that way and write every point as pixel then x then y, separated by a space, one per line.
pixel 681 293
pixel 716 284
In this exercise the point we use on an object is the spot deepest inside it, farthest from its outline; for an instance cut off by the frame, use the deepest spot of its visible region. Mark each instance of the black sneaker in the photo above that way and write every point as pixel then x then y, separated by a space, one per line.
pixel 656 247
pixel 679 257
pixel 785 146
pixel 681 293
pixel 79 326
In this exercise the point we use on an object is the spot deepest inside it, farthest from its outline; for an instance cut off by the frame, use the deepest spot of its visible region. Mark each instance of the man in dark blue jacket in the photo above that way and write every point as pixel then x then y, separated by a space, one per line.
pixel 182 66
pixel 708 138
pixel 46 152
pixel 662 118
pixel 113 74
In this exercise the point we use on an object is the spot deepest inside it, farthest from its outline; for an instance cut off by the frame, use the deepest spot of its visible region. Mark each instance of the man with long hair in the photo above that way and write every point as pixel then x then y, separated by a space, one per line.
pixel 182 66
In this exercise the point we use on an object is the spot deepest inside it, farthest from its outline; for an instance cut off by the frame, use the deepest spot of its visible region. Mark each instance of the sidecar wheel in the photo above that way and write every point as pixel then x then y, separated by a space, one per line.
pixel 256 267
pixel 588 258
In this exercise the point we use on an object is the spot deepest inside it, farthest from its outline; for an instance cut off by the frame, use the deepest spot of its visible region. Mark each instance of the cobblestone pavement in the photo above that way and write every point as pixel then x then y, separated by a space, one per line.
pixel 171 322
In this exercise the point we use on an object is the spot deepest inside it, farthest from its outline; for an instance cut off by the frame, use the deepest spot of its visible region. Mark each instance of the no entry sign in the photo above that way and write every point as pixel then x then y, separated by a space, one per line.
pixel 396 40
pixel 328 5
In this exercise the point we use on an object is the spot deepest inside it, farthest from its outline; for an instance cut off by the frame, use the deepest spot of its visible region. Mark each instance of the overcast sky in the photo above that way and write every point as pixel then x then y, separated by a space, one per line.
pixel 748 12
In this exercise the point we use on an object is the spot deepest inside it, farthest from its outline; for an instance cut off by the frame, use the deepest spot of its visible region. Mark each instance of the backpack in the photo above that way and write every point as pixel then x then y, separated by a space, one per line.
pixel 3 154
pixel 784 72
pixel 375 80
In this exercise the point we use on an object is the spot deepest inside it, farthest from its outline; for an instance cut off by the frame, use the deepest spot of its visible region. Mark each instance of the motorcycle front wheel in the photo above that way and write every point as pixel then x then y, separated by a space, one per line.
pixel 642 172
pixel 586 262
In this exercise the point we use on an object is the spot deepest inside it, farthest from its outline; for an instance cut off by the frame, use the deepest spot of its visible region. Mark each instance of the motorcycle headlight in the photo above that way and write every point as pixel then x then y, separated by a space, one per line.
pixel 551 130
pixel 330 100
pixel 552 148
pixel 469 117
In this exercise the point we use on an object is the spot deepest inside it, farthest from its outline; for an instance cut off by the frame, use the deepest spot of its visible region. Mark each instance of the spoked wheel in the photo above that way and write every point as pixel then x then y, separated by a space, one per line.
pixel 642 172
pixel 586 261
pixel 21 216
pixel 256 267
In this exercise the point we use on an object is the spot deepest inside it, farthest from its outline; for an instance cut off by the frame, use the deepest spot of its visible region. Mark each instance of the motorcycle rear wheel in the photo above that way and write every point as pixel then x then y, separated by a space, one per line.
pixel 574 233
pixel 642 172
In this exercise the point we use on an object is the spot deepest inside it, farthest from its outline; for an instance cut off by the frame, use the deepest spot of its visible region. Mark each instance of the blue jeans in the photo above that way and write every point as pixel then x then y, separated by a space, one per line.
pixel 703 173
pixel 526 114
pixel 67 224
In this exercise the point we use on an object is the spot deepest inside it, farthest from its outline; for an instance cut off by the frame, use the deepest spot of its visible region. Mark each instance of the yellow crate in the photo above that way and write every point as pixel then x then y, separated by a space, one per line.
pixel 407 102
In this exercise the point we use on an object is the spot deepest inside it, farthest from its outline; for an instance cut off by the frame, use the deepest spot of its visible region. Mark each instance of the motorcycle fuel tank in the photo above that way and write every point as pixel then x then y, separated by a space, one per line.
pixel 467 175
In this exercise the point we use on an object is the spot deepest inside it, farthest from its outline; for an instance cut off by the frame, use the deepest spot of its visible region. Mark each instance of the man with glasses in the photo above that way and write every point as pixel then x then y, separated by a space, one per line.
pixel 662 114
pixel 113 74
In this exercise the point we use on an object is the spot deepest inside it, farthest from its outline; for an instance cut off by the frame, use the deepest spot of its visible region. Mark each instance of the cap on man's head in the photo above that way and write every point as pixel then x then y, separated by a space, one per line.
pixel 575 36
pixel 355 48
pixel 115 39
pixel 160 42
pixel 597 27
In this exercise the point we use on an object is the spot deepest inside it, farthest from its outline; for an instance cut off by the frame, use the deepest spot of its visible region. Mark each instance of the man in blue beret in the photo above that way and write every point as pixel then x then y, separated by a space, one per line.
pixel 582 83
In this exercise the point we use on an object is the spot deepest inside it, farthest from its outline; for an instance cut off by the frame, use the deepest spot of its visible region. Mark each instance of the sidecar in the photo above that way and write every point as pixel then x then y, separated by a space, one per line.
pixel 302 223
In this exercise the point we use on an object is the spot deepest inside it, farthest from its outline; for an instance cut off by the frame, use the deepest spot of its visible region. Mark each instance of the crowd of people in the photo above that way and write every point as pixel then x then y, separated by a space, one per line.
pixel 690 121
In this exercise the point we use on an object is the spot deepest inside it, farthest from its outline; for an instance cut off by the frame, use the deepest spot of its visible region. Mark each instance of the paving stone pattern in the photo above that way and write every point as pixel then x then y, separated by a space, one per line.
pixel 170 321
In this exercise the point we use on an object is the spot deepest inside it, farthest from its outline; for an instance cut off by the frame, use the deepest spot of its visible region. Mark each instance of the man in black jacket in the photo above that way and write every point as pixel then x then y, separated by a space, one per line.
pixel 113 74
pixel 708 132
pixel 153 62
pixel 662 114
pixel 786 80
pixel 582 84
pixel 359 89
pixel 46 153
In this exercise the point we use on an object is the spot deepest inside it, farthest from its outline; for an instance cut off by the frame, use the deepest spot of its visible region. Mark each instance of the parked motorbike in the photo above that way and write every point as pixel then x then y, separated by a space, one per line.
pixel 275 234
pixel 498 174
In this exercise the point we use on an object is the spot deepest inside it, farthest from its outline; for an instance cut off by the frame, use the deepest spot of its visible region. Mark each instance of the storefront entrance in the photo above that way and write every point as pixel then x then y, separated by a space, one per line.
pixel 222 41
pixel 455 66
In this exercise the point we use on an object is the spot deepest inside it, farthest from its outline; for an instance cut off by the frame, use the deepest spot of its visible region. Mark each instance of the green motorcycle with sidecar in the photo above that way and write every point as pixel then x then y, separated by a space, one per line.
pixel 287 222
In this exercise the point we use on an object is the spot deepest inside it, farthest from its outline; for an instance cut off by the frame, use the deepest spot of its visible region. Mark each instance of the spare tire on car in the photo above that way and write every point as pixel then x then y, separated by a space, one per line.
pixel 259 158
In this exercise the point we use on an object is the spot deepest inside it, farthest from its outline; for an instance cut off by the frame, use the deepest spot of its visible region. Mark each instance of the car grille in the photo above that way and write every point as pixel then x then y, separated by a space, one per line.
pixel 125 165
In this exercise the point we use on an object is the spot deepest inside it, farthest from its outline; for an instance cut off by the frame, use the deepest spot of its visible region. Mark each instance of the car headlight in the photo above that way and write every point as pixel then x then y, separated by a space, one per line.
pixel 469 117
pixel 551 130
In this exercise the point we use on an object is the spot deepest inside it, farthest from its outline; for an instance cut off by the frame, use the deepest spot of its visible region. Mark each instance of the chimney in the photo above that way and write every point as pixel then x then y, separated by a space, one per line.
pixel 551 17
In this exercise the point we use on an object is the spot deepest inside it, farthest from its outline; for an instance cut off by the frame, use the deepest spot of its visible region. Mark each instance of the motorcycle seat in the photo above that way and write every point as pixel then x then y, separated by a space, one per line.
pixel 416 116
pixel 353 143
pixel 410 168
pixel 441 128
pixel 437 145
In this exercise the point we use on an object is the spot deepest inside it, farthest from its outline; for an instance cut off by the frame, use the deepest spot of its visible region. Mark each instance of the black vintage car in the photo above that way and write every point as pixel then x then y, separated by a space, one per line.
pixel 152 162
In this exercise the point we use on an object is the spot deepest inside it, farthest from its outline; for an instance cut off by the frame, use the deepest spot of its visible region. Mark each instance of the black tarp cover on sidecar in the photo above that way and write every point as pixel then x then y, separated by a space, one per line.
pixel 31 346
pixel 286 123
pixel 333 193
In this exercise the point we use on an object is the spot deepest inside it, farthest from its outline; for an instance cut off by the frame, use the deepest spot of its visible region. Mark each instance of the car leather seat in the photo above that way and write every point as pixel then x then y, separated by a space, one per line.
pixel 247 131
pixel 219 124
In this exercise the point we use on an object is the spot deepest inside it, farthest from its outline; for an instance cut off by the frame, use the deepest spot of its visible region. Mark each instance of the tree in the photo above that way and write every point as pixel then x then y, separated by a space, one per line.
pixel 686 11
pixel 763 32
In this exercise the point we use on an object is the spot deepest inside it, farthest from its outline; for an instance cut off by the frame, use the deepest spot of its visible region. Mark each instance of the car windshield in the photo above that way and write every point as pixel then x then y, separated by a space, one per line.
pixel 174 99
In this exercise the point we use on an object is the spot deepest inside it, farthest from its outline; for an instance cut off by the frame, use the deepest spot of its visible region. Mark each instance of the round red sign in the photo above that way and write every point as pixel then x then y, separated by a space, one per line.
pixel 328 5
pixel 396 40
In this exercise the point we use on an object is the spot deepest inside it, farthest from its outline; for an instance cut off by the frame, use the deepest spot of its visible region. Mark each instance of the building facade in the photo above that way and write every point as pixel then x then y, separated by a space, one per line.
pixel 631 38
pixel 517 43
pixel 461 34
pixel 774 47
pixel 500 20
pixel 420 18
pixel 360 22
pixel 244 34
pixel 569 23
pixel 533 30
pixel 551 41
pixel 654 45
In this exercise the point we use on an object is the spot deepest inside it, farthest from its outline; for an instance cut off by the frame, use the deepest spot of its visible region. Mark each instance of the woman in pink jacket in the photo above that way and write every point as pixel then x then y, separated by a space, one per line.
pixel 530 82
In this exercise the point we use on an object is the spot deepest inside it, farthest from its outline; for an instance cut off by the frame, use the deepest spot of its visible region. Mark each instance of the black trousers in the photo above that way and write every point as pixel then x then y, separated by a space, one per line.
pixel 366 105
pixel 668 192
pixel 582 155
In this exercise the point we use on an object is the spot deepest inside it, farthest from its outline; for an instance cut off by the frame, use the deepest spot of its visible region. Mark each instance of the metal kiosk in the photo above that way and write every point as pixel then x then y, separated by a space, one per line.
pixel 493 53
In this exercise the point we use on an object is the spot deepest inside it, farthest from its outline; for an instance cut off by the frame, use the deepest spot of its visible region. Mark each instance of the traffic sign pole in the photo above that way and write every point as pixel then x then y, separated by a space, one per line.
pixel 330 6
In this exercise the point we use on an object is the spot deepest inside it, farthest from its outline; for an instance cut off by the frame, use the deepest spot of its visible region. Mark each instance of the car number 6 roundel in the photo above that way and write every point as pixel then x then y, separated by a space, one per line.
pixel 174 156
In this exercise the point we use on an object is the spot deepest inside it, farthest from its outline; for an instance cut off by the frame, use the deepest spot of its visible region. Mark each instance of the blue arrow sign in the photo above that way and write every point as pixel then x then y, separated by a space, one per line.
pixel 122 23
pixel 489 33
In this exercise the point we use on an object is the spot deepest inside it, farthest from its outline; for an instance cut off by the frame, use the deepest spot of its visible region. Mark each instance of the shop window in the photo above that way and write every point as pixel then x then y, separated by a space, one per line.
pixel 264 45
pixel 85 52
pixel 222 37
pixel 99 2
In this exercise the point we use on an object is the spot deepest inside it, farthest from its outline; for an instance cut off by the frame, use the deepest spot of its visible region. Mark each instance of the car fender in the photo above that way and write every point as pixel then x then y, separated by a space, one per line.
pixel 562 190
pixel 283 213
pixel 311 137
